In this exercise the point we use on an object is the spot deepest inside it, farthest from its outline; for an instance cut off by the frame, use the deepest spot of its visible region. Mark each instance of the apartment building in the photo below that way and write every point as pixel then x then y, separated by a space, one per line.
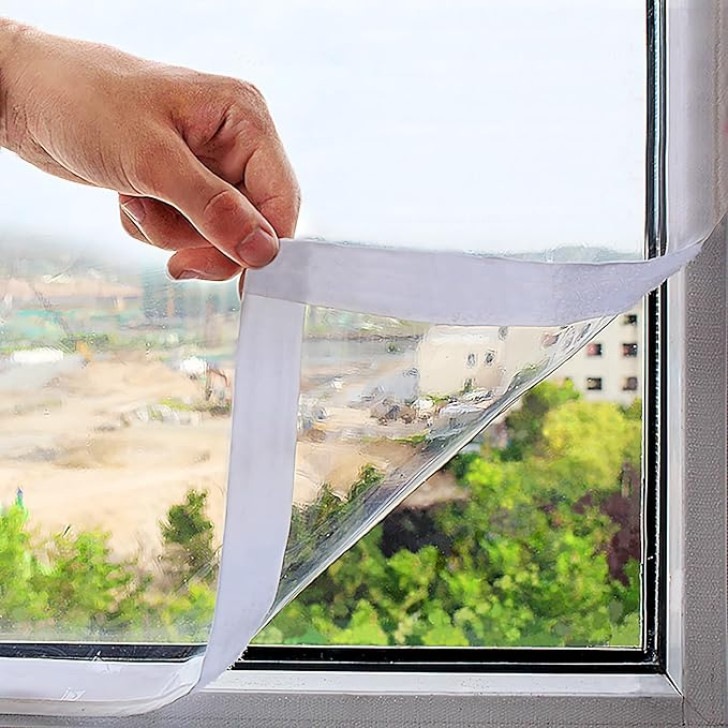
pixel 610 367
pixel 451 359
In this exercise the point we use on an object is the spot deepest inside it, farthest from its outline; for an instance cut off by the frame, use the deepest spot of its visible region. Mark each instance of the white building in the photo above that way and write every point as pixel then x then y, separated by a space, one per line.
pixel 610 368
pixel 454 359
pixel 451 359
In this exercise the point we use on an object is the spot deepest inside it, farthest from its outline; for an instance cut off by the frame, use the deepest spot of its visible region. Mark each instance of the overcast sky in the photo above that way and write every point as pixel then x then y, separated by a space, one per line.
pixel 502 126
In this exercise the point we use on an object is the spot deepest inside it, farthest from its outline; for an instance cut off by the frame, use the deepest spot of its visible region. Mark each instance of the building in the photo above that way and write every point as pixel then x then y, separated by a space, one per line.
pixel 610 367
pixel 451 360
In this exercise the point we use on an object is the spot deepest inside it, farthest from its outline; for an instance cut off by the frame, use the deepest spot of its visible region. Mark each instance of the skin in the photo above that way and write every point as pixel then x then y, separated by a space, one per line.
pixel 195 158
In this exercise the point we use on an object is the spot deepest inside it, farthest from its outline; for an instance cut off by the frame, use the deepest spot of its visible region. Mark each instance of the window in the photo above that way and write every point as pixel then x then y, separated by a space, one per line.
pixel 629 319
pixel 629 350
pixel 594 349
pixel 630 384
pixel 472 360
pixel 639 669
pixel 489 358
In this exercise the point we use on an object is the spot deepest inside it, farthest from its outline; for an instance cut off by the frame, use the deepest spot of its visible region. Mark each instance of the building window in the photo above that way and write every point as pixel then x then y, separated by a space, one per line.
pixel 472 360
pixel 594 349
pixel 489 358
pixel 503 333
pixel 629 319
pixel 629 349
pixel 630 384
pixel 594 384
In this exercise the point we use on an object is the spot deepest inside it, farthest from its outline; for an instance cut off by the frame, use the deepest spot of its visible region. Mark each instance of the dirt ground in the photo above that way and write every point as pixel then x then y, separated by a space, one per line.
pixel 84 458
pixel 88 455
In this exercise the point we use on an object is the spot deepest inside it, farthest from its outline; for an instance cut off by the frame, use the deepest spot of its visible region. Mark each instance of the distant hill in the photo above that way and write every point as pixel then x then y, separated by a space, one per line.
pixel 24 254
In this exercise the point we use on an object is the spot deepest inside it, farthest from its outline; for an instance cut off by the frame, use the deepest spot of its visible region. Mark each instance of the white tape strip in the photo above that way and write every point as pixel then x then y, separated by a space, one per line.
pixel 457 288
pixel 260 481
pixel 37 686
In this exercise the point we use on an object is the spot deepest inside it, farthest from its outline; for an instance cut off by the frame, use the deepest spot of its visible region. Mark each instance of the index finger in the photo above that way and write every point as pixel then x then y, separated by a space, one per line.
pixel 269 182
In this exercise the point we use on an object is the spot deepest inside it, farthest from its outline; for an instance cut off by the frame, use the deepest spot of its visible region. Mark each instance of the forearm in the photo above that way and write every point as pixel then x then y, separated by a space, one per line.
pixel 11 34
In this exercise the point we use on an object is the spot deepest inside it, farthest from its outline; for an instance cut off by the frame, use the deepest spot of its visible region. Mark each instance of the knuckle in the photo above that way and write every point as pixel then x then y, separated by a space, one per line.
pixel 223 203
pixel 250 99
pixel 247 90
pixel 224 213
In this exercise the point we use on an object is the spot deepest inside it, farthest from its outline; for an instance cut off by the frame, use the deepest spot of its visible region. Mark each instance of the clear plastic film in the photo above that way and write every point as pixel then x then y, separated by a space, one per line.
pixel 383 404
pixel 116 428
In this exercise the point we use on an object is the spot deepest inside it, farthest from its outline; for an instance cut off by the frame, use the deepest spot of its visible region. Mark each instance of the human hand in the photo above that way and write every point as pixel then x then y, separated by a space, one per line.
pixel 195 158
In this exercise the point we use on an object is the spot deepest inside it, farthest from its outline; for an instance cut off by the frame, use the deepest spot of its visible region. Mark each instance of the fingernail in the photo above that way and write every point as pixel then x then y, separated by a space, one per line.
pixel 258 249
pixel 135 210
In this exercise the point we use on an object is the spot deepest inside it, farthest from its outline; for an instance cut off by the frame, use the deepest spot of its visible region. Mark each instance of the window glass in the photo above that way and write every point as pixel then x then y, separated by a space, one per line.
pixel 513 128
pixel 507 127
pixel 116 393
pixel 593 349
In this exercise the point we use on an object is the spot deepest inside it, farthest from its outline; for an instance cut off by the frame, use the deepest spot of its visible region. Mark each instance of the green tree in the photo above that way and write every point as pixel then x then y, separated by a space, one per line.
pixel 20 602
pixel 585 447
pixel 525 424
pixel 88 593
pixel 187 534
pixel 526 556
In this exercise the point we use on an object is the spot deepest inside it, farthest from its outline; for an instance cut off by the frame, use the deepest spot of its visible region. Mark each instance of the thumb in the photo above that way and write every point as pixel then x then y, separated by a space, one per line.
pixel 219 212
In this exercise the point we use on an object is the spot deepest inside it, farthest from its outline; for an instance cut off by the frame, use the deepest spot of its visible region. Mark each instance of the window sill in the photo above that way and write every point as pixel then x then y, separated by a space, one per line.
pixel 385 683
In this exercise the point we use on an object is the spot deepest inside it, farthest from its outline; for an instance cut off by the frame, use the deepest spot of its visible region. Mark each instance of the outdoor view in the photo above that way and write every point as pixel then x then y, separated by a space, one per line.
pixel 115 401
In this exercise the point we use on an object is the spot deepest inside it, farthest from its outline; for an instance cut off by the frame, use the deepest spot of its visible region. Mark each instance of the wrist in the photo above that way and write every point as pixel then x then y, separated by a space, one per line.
pixel 11 34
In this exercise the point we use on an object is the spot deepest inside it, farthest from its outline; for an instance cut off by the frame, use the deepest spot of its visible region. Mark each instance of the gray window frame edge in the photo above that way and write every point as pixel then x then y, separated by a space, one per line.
pixel 694 690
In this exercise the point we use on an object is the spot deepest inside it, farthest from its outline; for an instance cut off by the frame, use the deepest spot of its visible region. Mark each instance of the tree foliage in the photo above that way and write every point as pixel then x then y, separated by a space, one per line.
pixel 70 586
pixel 524 560
pixel 187 534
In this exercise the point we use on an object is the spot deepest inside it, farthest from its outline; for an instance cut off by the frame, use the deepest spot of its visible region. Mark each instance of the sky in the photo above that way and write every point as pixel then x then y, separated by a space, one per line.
pixel 501 127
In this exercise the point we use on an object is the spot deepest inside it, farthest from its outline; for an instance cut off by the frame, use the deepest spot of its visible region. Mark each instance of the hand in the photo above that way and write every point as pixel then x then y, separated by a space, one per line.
pixel 195 158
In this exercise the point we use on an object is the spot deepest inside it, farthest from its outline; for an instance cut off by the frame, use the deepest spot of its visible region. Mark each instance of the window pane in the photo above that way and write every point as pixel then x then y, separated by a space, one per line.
pixel 115 391
pixel 508 127
pixel 594 349
pixel 529 537
pixel 514 102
